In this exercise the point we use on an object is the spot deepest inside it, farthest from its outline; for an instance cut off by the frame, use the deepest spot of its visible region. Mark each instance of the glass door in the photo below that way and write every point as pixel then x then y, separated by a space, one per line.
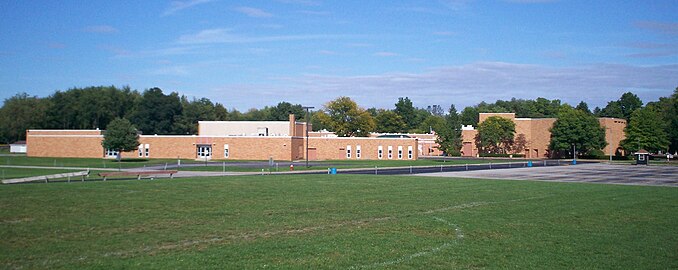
pixel 204 151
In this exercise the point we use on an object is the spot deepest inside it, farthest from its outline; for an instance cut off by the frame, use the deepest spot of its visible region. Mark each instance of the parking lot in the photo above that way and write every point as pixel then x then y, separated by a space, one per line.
pixel 589 173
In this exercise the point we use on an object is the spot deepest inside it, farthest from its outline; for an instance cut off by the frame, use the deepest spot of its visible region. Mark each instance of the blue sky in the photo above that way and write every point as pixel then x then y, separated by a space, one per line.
pixel 251 54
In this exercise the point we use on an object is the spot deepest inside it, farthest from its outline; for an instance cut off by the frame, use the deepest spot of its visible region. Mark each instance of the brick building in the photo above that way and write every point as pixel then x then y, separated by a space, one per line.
pixel 220 140
pixel 538 135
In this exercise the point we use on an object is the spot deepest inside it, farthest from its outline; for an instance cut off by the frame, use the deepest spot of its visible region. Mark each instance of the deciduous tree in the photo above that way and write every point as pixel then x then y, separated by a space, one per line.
pixel 495 135
pixel 346 119
pixel 120 135
pixel 576 128
pixel 646 130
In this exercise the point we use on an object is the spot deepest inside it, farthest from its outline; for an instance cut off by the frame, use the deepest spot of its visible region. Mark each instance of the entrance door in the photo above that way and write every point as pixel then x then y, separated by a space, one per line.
pixel 204 151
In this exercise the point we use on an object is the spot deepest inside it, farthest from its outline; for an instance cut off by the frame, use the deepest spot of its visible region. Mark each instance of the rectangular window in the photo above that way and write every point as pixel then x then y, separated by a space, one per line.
pixel 641 157
pixel 400 152
pixel 357 151
pixel 111 153
pixel 409 152
pixel 147 151
pixel 348 151
pixel 226 151
pixel 390 152
pixel 380 152
pixel 141 150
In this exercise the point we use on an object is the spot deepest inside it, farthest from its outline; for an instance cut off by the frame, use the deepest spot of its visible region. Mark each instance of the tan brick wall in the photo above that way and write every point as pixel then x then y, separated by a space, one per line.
pixel 483 116
pixel 240 148
pixel 469 137
pixel 614 133
pixel 53 145
pixel 335 148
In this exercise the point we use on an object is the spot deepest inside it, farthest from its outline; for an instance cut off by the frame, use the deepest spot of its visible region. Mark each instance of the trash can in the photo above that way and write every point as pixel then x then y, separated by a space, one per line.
pixel 574 162
pixel 333 170
pixel 529 163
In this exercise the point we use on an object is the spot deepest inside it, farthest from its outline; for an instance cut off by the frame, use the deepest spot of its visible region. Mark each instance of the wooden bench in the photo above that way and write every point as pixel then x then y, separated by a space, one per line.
pixel 138 174
pixel 46 178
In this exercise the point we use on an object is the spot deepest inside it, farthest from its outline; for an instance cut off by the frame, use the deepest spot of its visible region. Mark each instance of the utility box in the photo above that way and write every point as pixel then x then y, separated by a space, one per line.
pixel 641 157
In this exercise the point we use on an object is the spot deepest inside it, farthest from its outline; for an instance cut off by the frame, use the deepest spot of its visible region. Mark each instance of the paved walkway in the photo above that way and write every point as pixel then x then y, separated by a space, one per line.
pixel 589 173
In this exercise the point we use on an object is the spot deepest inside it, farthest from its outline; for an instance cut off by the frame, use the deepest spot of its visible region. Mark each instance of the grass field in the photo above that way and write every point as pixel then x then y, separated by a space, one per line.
pixel 342 164
pixel 9 173
pixel 337 221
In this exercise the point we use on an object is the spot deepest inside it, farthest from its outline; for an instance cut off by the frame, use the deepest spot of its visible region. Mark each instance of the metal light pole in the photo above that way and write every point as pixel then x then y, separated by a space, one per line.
pixel 308 119
pixel 610 129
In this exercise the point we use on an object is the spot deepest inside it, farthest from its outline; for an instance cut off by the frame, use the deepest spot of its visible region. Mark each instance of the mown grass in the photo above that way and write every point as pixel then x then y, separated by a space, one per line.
pixel 85 162
pixel 9 173
pixel 337 221
pixel 339 164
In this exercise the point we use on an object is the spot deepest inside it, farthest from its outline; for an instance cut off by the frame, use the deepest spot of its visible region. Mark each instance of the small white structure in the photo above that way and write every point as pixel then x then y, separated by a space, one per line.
pixel 18 147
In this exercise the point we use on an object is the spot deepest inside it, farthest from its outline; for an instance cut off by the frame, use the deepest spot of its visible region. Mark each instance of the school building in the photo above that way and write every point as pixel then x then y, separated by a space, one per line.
pixel 221 140
pixel 287 140
pixel 538 135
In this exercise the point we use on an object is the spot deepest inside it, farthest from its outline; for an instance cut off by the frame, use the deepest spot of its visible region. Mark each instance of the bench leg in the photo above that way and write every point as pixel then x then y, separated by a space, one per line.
pixel 171 176
pixel 139 177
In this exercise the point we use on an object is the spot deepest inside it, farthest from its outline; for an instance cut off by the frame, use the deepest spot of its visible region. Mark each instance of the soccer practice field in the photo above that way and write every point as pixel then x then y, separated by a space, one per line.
pixel 337 222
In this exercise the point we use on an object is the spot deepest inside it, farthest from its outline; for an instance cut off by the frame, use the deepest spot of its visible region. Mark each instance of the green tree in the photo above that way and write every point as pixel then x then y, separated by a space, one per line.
pixel 449 136
pixel 646 130
pixel 622 107
pixel 346 119
pixel 389 122
pixel 157 112
pixel 121 135
pixel 469 116
pixel 282 111
pixel 629 102
pixel 582 106
pixel 495 135
pixel 575 127
pixel 613 109
pixel 406 110
pixel 19 113
pixel 193 111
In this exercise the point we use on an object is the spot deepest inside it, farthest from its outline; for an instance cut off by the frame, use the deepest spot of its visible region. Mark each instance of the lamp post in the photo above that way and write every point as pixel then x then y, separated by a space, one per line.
pixel 308 119
pixel 574 153
pixel 610 145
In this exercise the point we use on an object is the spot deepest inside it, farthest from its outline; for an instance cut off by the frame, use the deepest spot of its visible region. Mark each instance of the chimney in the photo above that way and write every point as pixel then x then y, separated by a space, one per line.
pixel 293 125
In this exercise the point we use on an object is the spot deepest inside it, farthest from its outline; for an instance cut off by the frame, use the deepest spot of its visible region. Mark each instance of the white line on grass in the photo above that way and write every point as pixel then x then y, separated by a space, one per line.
pixel 303 230
pixel 459 235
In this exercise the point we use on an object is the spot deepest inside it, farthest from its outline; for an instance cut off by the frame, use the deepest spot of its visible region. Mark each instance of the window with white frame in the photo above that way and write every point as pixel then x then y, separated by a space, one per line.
pixel 400 152
pixel 348 151
pixel 226 153
pixel 357 151
pixel 111 153
pixel 409 152
pixel 390 152
pixel 147 150
pixel 380 152
pixel 141 150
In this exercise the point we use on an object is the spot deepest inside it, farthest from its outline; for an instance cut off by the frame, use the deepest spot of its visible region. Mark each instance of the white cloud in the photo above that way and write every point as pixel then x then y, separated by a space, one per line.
pixel 221 35
pixel 470 84
pixel 253 12
pixel 176 6
pixel 301 2
pixel 100 29
pixel 385 54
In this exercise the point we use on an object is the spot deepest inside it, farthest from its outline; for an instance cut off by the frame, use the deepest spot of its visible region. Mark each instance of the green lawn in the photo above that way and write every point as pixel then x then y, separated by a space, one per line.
pixel 9 173
pixel 337 221
pixel 344 164
pixel 85 162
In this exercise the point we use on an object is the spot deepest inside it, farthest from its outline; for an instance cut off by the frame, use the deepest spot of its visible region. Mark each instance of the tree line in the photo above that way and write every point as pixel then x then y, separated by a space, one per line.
pixel 652 126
